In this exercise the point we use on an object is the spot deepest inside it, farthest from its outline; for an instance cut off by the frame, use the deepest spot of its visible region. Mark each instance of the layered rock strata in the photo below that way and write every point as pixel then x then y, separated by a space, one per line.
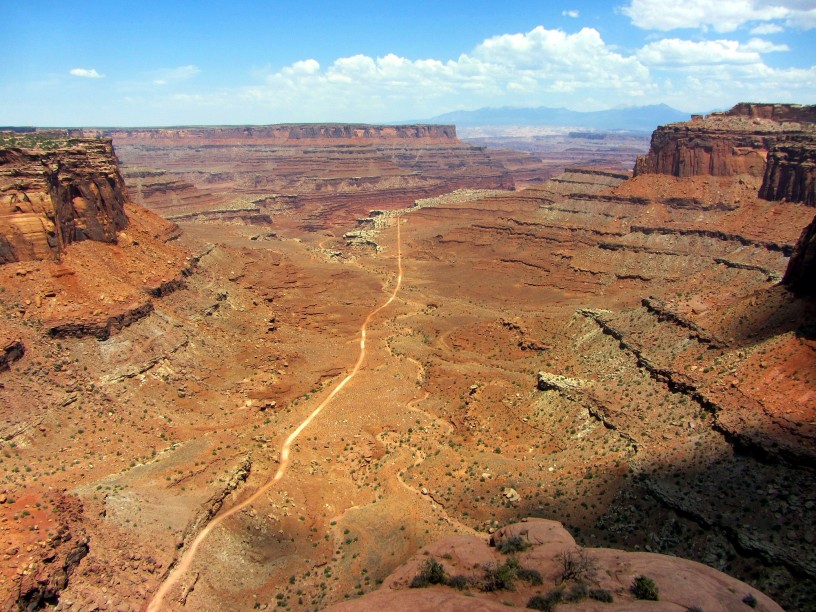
pixel 800 275
pixel 51 197
pixel 772 141
pixel 304 174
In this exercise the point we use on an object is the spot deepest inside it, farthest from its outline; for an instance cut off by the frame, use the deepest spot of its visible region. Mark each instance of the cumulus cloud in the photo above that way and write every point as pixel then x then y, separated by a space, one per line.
pixel 720 16
pixel 85 73
pixel 518 68
pixel 677 53
pixel 542 67
pixel 573 13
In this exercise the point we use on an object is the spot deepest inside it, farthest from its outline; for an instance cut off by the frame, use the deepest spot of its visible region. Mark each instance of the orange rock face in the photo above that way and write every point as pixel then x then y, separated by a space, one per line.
pixel 51 198
pixel 739 142
pixel 616 354
pixel 318 173
pixel 550 563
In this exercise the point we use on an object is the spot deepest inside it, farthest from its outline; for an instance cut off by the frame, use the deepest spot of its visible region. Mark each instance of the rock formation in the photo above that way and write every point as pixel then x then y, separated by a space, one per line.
pixel 675 413
pixel 800 275
pixel 530 563
pixel 306 173
pixel 62 191
pixel 790 172
pixel 739 142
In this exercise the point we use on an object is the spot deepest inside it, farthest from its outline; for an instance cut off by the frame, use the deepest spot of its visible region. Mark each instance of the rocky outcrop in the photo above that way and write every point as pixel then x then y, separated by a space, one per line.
pixel 790 173
pixel 50 197
pixel 548 561
pixel 102 329
pixel 297 133
pixel 739 142
pixel 776 112
pixel 12 350
pixel 314 173
pixel 800 275
pixel 50 567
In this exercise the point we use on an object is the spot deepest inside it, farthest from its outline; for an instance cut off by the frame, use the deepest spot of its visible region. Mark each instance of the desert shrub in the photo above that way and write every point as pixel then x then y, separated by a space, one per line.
pixel 431 572
pixel 749 600
pixel 600 595
pixel 644 587
pixel 458 582
pixel 500 577
pixel 578 592
pixel 529 575
pixel 513 544
pixel 576 564
pixel 546 602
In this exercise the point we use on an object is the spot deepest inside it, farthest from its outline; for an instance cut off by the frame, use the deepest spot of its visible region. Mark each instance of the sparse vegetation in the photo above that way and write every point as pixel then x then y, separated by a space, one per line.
pixel 546 602
pixel 512 544
pixel 644 587
pixel 577 565
pixel 431 572
pixel 749 600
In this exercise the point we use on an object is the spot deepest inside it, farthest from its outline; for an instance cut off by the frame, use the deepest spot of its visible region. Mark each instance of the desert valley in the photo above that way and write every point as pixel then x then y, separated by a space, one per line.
pixel 312 366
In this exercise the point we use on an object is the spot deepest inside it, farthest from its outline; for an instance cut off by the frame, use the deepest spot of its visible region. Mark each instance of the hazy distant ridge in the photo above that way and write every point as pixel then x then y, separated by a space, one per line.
pixel 639 118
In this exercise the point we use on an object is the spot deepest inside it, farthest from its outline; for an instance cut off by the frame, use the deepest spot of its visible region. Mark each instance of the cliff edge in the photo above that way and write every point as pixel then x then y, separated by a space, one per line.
pixel 55 191
pixel 772 141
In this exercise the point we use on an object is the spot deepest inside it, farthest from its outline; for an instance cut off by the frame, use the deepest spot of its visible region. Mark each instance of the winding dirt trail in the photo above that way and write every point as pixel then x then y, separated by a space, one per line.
pixel 187 558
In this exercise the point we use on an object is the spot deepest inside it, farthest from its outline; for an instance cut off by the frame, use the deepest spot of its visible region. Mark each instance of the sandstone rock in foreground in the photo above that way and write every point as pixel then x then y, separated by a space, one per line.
pixel 681 584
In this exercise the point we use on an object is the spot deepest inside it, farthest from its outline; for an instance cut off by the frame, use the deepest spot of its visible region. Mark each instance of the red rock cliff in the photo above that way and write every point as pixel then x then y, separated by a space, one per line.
pixel 800 275
pixel 790 172
pixel 300 133
pixel 50 198
pixel 774 141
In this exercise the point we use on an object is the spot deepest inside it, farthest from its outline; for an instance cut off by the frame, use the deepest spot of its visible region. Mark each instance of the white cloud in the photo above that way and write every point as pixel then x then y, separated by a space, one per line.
pixel 767 28
pixel 522 69
pixel 85 73
pixel 573 13
pixel 541 67
pixel 181 73
pixel 719 15
pixel 673 52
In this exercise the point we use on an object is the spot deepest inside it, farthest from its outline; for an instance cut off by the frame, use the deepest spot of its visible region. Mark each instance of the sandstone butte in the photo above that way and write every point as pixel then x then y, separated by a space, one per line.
pixel 151 370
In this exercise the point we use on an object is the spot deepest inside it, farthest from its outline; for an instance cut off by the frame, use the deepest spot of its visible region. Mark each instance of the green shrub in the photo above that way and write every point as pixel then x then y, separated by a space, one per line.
pixel 749 600
pixel 546 602
pixel 512 545
pixel 578 592
pixel 431 572
pixel 500 577
pixel 529 575
pixel 645 588
pixel 600 595
pixel 458 582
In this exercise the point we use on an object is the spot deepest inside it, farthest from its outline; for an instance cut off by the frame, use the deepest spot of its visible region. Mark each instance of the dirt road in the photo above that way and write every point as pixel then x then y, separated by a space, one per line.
pixel 187 558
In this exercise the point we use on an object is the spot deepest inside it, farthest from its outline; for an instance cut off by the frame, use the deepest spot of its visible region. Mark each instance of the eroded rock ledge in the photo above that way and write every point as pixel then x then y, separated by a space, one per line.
pixel 57 192
pixel 773 141
pixel 540 546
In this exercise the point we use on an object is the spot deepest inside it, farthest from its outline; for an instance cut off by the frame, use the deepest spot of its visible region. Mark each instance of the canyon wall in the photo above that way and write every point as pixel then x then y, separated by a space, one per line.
pixel 773 141
pixel 800 275
pixel 306 133
pixel 302 174
pixel 58 192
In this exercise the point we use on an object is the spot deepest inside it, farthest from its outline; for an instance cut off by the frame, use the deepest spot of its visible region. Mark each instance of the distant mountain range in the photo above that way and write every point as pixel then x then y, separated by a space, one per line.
pixel 635 118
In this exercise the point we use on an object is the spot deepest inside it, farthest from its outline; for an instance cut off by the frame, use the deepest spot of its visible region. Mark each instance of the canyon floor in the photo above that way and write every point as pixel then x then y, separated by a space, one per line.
pixel 674 369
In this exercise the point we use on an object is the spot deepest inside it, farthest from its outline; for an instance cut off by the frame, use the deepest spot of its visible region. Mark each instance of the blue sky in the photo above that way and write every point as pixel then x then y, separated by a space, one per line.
pixel 110 63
